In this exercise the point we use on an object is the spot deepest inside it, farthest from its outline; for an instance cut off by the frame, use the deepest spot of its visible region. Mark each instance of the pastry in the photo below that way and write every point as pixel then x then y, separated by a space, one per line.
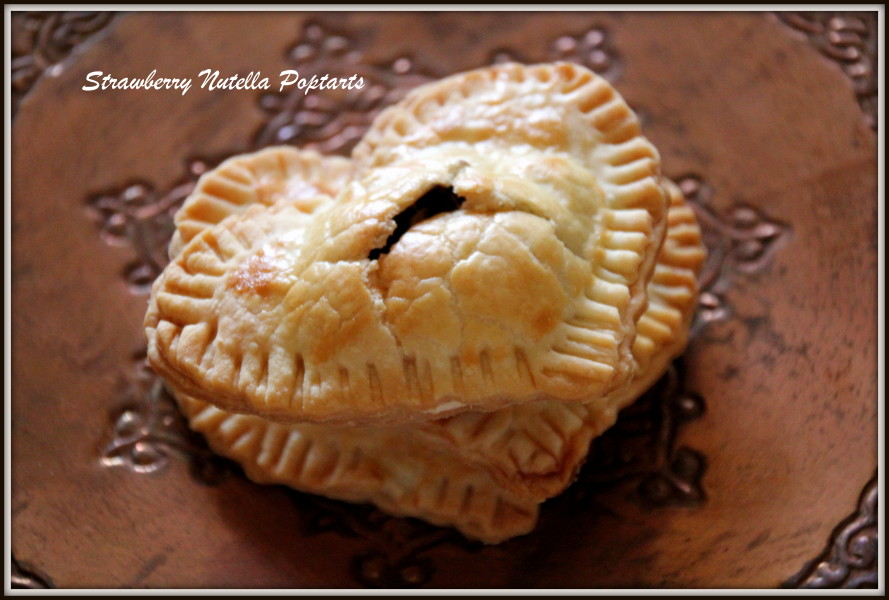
pixel 260 178
pixel 538 447
pixel 394 468
pixel 482 473
pixel 543 210
pixel 443 323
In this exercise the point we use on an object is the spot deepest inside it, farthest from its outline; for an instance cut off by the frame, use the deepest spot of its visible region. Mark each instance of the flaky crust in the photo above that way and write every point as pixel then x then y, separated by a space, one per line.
pixel 395 468
pixel 305 178
pixel 530 290
pixel 455 366
pixel 482 473
pixel 535 449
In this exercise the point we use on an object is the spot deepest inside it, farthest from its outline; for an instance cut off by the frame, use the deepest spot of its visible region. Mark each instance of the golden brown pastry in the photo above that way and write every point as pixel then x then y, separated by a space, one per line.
pixel 541 210
pixel 395 468
pixel 263 177
pixel 443 323
pixel 537 448
pixel 482 473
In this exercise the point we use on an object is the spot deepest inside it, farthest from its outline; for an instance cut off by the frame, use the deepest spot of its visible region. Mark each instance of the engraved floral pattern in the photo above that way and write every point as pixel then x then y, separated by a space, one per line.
pixel 850 559
pixel 43 40
pixel 139 217
pixel 148 429
pixel 641 447
pixel 333 121
pixel 22 578
pixel 850 40
pixel 740 241
pixel 394 547
pixel 592 49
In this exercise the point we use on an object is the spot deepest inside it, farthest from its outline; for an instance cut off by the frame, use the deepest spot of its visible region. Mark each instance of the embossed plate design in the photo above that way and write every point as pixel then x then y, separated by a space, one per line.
pixel 745 466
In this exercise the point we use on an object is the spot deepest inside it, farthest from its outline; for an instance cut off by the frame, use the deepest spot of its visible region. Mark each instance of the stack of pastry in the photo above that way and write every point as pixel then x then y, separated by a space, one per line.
pixel 441 324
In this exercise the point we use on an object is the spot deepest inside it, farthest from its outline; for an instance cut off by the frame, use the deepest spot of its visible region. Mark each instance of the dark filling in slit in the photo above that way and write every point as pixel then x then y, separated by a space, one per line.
pixel 438 200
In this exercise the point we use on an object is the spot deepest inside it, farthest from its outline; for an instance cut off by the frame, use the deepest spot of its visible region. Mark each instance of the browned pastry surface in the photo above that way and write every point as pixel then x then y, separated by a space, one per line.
pixel 528 287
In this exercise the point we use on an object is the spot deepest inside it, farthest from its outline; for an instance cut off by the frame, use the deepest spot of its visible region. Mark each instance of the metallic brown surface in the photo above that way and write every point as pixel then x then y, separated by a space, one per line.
pixel 736 471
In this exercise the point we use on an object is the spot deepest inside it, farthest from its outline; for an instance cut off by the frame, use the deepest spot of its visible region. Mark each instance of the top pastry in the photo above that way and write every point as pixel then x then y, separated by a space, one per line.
pixel 489 244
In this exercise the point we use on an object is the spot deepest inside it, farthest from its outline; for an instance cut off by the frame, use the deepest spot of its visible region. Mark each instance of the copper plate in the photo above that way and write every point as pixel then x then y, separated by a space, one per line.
pixel 746 466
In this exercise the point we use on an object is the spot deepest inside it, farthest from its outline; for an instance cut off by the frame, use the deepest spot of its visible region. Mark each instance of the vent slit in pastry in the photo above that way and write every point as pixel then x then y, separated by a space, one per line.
pixel 438 200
